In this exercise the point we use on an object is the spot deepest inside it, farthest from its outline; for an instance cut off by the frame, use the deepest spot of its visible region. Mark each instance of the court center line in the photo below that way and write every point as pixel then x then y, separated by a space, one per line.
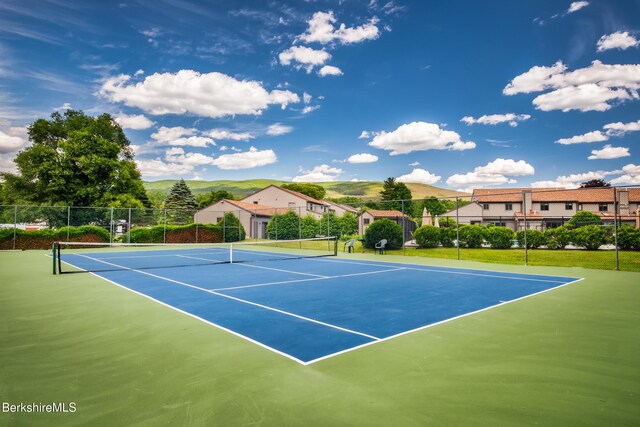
pixel 306 280
pixel 257 266
pixel 266 307
pixel 446 271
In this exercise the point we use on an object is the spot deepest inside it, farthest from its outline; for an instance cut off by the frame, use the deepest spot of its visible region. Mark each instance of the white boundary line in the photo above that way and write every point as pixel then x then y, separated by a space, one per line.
pixel 427 268
pixel 266 307
pixel 377 340
pixel 436 323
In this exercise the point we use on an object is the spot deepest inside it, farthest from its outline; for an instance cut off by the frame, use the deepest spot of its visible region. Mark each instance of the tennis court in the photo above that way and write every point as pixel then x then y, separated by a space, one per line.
pixel 304 303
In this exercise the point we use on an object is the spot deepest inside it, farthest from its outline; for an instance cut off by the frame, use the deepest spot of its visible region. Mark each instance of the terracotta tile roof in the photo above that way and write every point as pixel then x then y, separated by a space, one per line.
pixel 302 196
pixel 583 195
pixel 530 215
pixel 345 207
pixel 256 209
pixel 384 214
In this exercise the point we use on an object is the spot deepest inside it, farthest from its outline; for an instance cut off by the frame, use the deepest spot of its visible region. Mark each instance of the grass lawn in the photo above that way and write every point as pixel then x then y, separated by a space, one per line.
pixel 565 357
pixel 604 260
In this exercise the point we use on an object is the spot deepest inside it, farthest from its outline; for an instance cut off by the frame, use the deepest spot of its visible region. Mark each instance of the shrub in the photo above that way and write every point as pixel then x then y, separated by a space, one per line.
pixel 582 218
pixel 333 227
pixel 383 229
pixel 628 237
pixel 308 226
pixel 43 239
pixel 447 236
pixel 558 238
pixel 535 239
pixel 233 231
pixel 472 236
pixel 590 237
pixel 447 222
pixel 500 237
pixel 348 223
pixel 427 236
pixel 284 226
pixel 190 233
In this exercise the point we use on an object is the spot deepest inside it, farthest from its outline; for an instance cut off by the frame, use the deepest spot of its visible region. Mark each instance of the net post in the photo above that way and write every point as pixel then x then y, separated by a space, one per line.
pixel 335 246
pixel 54 252
pixel 230 253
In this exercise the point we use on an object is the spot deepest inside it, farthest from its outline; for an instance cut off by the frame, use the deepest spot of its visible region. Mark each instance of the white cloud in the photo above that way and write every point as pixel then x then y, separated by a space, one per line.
pixel 362 158
pixel 278 129
pixel 156 168
pixel 495 119
pixel 553 184
pixel 609 152
pixel 365 135
pixel 574 180
pixel 306 98
pixel 597 87
pixel 577 5
pixel 178 155
pixel 631 176
pixel 224 134
pixel 12 138
pixel 619 128
pixel 321 173
pixel 136 122
pixel 420 176
pixel 246 160
pixel 508 167
pixel 594 136
pixel 189 92
pixel 165 135
pixel 414 164
pixel 618 40
pixel 493 173
pixel 305 57
pixel 329 70
pixel 309 108
pixel 419 136
pixel 321 30
pixel 476 180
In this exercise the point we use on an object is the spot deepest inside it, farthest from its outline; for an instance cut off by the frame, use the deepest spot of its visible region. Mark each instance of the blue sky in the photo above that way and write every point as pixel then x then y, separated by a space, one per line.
pixel 462 94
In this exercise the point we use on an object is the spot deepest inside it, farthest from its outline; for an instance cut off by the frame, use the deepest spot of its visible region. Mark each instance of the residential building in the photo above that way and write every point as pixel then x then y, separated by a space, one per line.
pixel 279 197
pixel 544 208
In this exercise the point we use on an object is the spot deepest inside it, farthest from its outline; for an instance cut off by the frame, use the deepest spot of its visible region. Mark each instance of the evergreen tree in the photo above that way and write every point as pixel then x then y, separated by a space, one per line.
pixel 180 204
pixel 312 190
pixel 393 193
pixel 212 197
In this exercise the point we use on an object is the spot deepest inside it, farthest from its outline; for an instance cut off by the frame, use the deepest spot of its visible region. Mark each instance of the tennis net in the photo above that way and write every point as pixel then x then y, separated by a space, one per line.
pixel 95 257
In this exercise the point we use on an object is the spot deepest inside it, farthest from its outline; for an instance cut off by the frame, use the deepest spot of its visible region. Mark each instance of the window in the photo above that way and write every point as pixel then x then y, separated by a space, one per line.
pixel 579 206
pixel 292 205
pixel 366 221
pixel 568 206
pixel 255 202
pixel 498 223
pixel 508 206
pixel 218 219
pixel 553 224
pixel 544 206
pixel 485 206
pixel 603 207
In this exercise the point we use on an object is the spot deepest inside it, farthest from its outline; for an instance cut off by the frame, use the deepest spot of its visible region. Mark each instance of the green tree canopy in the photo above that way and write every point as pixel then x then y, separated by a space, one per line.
pixel 212 197
pixel 312 190
pixel 393 193
pixel 75 160
pixel 592 183
pixel 180 203
pixel 583 218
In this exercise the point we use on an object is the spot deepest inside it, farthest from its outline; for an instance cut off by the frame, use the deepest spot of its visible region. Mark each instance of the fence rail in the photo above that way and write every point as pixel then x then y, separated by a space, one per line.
pixel 539 220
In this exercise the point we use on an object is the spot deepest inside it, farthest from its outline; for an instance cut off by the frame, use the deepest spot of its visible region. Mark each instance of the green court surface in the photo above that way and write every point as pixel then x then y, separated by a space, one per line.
pixel 567 357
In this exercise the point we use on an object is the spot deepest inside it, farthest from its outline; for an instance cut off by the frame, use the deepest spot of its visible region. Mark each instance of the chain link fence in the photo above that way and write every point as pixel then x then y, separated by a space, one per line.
pixel 592 227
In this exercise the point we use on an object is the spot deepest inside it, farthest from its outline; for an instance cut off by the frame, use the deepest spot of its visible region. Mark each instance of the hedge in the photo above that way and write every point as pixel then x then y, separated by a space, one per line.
pixel 427 236
pixel 191 233
pixel 500 237
pixel 383 229
pixel 44 238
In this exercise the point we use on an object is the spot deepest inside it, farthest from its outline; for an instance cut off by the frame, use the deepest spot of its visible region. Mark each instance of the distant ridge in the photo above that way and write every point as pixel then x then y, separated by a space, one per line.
pixel 360 189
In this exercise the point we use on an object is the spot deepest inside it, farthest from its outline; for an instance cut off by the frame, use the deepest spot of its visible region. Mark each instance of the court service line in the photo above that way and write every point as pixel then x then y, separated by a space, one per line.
pixel 464 273
pixel 306 280
pixel 257 266
pixel 266 307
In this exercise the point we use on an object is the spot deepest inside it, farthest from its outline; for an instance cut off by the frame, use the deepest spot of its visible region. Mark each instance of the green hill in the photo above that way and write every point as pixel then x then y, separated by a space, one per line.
pixel 361 189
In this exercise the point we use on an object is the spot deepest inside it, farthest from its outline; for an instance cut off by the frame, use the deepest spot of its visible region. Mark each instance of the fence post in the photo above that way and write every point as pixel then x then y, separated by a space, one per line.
pixel 457 230
pixel 68 221
pixel 300 226
pixel 15 225
pixel 524 211
pixel 615 225
pixel 404 230
pixel 164 230
pixel 224 228
pixel 111 227
pixel 129 228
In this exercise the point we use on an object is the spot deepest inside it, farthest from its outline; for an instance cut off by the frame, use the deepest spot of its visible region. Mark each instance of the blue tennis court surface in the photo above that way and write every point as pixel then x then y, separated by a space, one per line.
pixel 310 309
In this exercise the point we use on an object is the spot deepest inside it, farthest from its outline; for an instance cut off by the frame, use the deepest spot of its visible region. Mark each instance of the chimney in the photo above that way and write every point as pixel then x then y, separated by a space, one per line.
pixel 623 202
